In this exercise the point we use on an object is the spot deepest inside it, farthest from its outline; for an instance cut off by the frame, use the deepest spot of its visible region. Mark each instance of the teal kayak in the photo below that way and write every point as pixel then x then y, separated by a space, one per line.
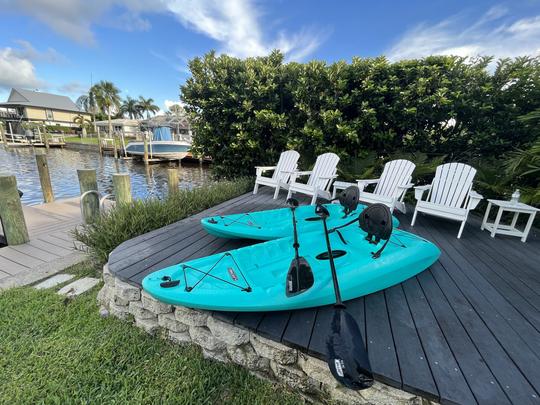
pixel 253 278
pixel 277 223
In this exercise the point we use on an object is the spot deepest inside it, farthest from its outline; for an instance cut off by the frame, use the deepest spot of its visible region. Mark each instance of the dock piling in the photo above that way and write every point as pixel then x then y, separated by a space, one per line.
pixel 122 188
pixel 44 176
pixel 99 142
pixel 114 147
pixel 172 175
pixel 3 137
pixel 90 202
pixel 145 139
pixel 11 212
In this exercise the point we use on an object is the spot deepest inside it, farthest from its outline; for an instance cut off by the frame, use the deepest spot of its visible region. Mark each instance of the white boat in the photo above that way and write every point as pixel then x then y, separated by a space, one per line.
pixel 161 146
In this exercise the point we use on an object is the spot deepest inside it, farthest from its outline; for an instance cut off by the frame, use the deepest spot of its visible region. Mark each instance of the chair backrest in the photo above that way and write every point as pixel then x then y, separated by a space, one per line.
pixel 395 173
pixel 325 167
pixel 452 184
pixel 286 164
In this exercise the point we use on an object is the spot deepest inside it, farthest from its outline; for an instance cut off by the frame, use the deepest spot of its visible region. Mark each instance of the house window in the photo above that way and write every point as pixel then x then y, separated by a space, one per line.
pixel 49 115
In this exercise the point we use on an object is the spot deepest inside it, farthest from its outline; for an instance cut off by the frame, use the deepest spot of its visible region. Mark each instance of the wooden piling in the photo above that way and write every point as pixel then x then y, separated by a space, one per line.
pixel 172 175
pixel 122 188
pixel 145 158
pixel 11 212
pixel 44 176
pixel 3 137
pixel 90 202
pixel 114 147
pixel 99 142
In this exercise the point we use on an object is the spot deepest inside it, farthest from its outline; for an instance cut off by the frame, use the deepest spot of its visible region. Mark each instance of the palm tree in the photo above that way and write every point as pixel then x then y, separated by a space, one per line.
pixel 107 98
pixel 147 105
pixel 131 107
pixel 87 102
pixel 83 122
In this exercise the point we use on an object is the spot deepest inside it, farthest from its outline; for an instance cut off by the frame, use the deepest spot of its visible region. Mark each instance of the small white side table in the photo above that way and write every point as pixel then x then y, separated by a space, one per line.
pixel 516 208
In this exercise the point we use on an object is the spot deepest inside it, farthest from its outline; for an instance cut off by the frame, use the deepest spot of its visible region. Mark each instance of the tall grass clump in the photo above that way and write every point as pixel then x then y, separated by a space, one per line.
pixel 126 221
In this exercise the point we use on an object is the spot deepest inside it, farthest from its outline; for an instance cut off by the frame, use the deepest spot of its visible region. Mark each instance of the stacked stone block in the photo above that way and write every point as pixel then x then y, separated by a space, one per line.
pixel 225 342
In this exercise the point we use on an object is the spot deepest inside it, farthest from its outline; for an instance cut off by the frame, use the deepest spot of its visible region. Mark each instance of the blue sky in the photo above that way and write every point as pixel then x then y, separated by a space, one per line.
pixel 143 46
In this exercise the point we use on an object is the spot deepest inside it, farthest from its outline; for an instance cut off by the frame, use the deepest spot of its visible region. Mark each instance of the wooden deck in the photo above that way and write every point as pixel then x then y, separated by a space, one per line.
pixel 467 330
pixel 51 247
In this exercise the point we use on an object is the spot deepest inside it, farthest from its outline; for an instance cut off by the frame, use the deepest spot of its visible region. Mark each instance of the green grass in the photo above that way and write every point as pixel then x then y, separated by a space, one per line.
pixel 127 221
pixel 77 139
pixel 61 351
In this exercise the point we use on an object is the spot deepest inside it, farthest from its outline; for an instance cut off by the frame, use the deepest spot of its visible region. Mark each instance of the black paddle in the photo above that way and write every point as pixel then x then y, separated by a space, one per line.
pixel 300 275
pixel 345 351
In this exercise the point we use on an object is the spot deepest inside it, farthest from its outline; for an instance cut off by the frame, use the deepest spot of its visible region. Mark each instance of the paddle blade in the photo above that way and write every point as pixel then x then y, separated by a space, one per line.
pixel 299 278
pixel 346 354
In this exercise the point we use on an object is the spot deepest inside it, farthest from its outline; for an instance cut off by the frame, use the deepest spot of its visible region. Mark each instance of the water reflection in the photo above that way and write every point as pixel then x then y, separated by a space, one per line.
pixel 146 181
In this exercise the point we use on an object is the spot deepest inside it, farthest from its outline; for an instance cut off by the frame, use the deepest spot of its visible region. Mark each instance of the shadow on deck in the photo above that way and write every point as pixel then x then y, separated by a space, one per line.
pixel 467 330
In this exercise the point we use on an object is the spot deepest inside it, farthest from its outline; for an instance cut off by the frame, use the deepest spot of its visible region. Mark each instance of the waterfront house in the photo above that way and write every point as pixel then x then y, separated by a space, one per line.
pixel 52 110
pixel 128 127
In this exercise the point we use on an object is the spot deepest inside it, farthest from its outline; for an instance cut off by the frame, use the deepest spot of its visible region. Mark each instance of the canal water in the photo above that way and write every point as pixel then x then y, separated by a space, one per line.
pixel 146 181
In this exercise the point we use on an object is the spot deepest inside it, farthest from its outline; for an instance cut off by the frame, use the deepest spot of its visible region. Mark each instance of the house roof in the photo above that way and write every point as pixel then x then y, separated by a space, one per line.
pixel 38 99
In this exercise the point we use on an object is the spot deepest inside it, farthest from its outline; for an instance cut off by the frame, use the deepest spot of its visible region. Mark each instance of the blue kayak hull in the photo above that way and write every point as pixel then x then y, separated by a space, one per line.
pixel 253 278
pixel 277 223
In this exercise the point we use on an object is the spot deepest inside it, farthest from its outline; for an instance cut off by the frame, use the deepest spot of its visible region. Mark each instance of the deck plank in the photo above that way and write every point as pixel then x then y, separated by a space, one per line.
pixel 415 371
pixel 380 341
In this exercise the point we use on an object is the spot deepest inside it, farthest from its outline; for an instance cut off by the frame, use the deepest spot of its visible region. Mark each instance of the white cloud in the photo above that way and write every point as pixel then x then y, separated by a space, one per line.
pixel 74 18
pixel 493 34
pixel 27 51
pixel 17 71
pixel 236 25
pixel 169 103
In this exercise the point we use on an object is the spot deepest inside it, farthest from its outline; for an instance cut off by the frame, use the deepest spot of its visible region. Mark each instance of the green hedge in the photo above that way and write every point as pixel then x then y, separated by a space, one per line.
pixel 127 221
pixel 245 112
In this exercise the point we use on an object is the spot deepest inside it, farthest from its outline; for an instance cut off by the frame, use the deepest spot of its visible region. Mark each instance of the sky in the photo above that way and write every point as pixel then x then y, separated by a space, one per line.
pixel 143 46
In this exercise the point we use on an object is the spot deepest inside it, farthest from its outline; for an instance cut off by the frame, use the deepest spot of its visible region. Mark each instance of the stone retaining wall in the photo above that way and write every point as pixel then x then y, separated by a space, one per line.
pixel 224 342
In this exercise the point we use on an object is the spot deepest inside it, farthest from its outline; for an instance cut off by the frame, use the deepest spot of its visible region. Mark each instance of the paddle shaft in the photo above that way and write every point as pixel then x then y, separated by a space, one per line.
pixel 332 265
pixel 296 245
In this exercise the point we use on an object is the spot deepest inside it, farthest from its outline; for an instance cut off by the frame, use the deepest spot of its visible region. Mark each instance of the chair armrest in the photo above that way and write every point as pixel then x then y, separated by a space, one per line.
pixel 328 177
pixel 419 191
pixel 261 169
pixel 362 183
pixel 474 199
pixel 368 181
pixel 406 186
pixel 295 174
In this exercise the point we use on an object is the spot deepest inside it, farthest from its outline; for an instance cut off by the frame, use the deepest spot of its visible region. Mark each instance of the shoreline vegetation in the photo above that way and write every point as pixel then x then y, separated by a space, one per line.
pixel 126 221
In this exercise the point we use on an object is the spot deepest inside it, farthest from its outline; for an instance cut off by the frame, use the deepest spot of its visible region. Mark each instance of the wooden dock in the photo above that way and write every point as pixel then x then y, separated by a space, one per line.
pixel 51 247
pixel 467 330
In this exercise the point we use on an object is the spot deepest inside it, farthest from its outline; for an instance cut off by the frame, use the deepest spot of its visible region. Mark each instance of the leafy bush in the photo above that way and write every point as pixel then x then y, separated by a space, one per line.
pixel 251 110
pixel 126 221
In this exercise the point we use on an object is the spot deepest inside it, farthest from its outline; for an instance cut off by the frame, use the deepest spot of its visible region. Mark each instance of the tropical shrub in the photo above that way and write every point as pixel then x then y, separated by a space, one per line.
pixel 245 112
pixel 126 221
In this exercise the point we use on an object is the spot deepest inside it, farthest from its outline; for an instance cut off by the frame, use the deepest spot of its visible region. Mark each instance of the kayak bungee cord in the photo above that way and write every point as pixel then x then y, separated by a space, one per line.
pixel 251 222
pixel 207 273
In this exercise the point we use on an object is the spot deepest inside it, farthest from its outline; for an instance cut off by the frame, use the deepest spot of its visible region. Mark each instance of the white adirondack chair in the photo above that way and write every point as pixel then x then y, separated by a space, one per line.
pixel 450 194
pixel 320 178
pixel 282 172
pixel 391 187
